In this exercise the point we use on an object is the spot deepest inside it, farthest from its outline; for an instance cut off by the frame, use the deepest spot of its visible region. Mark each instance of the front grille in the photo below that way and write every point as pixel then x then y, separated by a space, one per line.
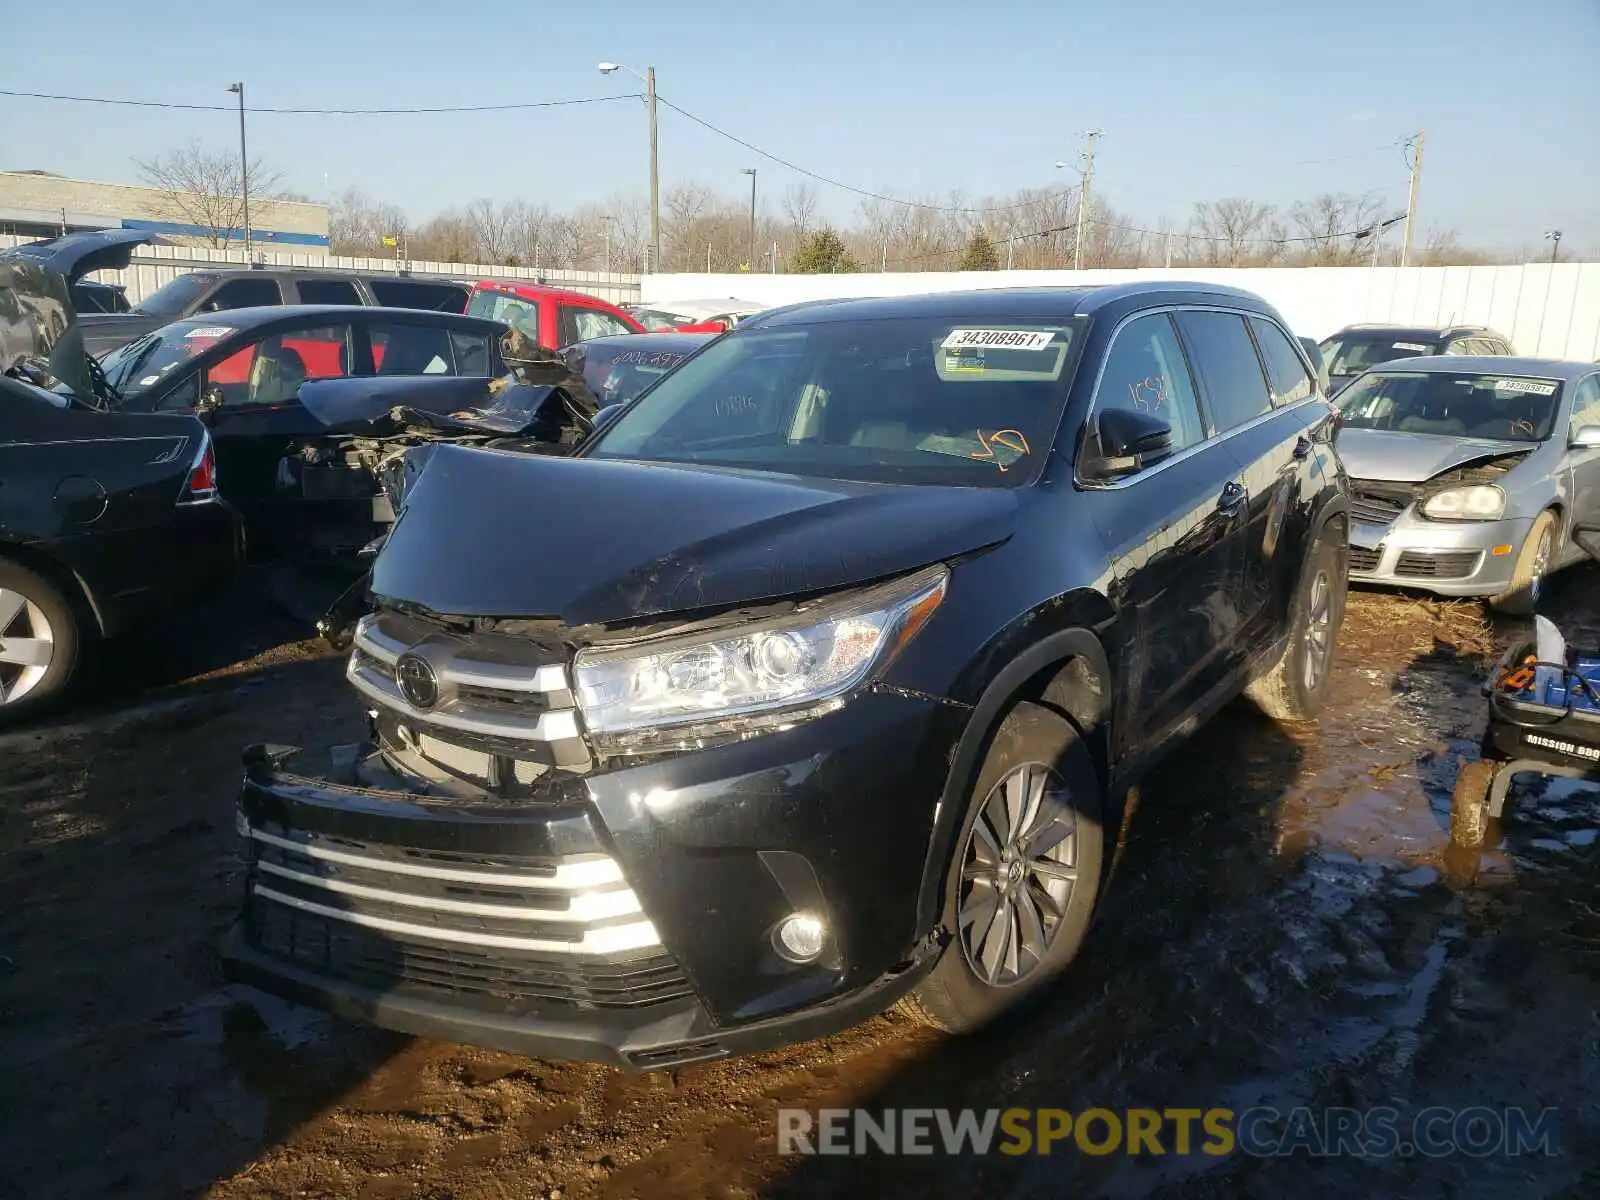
pixel 1364 560
pixel 577 906
pixel 495 694
pixel 1449 564
pixel 1374 509
pixel 497 980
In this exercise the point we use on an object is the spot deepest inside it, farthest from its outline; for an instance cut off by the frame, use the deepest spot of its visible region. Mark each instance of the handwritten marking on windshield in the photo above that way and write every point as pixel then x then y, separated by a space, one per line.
pixel 1006 439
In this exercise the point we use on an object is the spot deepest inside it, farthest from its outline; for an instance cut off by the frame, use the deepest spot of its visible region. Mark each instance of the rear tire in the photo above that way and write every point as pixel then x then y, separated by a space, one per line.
pixel 1294 689
pixel 1469 803
pixel 1534 561
pixel 39 643
pixel 1021 886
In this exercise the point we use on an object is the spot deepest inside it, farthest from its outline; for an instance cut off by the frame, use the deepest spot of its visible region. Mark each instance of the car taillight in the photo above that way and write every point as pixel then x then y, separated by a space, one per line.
pixel 201 485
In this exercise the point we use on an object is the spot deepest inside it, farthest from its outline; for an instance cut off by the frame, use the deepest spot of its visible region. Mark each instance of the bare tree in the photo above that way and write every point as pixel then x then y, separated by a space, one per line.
pixel 800 206
pixel 357 224
pixel 1329 223
pixel 203 188
pixel 493 226
pixel 1236 232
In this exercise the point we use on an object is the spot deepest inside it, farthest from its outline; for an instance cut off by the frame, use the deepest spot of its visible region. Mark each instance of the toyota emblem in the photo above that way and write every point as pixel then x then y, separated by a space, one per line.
pixel 418 684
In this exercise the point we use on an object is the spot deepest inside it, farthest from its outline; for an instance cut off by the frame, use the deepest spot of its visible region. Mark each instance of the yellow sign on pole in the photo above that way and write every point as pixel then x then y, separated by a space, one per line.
pixel 389 241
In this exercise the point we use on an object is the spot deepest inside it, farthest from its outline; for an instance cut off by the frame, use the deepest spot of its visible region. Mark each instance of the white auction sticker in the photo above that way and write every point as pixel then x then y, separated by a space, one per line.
pixel 998 339
pixel 1409 346
pixel 209 331
pixel 1533 387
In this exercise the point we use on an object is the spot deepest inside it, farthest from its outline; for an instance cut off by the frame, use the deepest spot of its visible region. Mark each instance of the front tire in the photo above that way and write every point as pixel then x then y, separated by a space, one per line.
pixel 1022 886
pixel 1294 689
pixel 1533 564
pixel 39 643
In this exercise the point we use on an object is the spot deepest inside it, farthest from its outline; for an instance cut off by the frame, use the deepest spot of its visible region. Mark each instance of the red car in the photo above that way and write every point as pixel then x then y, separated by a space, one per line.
pixel 555 316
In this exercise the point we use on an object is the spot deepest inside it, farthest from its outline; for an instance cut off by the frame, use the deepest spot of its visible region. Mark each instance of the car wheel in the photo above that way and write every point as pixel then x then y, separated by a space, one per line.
pixel 39 640
pixel 1533 564
pixel 1295 687
pixel 1469 803
pixel 1021 888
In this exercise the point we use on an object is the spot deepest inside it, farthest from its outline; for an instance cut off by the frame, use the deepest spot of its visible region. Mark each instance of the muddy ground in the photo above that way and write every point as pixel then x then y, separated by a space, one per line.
pixel 1284 928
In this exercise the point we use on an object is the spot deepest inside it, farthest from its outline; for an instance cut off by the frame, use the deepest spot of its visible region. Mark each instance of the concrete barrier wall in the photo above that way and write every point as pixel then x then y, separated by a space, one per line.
pixel 154 266
pixel 1551 310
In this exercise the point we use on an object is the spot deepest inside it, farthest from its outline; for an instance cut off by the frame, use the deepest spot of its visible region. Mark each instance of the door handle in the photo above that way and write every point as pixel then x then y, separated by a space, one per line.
pixel 1302 448
pixel 1232 498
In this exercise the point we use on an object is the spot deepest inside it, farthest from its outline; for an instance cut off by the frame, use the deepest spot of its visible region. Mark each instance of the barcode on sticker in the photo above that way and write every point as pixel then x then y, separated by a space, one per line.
pixel 209 331
pixel 1409 346
pixel 1533 387
pixel 998 339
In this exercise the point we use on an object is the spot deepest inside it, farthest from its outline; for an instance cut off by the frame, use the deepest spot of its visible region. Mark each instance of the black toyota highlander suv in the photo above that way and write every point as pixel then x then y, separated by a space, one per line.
pixel 810 683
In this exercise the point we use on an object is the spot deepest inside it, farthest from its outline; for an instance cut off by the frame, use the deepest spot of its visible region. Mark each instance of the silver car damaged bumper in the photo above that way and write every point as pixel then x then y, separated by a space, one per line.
pixel 1449 558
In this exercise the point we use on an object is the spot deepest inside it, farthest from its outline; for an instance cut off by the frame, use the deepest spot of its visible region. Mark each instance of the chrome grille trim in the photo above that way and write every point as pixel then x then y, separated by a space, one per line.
pixel 456 714
pixel 579 875
pixel 606 940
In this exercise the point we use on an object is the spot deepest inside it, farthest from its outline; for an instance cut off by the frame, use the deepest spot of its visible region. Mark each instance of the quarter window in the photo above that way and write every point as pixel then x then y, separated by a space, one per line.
pixel 1290 381
pixel 1230 372
pixel 1145 371
pixel 412 350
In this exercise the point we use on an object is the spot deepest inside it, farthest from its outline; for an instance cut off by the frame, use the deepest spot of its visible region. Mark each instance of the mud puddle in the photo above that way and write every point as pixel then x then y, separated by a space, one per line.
pixel 1285 928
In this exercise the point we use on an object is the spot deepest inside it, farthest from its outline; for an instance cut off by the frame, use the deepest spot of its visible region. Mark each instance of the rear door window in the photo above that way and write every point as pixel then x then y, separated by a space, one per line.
pixel 1230 373
pixel 399 349
pixel 1287 375
pixel 243 293
pixel 328 291
pixel 271 370
pixel 1146 372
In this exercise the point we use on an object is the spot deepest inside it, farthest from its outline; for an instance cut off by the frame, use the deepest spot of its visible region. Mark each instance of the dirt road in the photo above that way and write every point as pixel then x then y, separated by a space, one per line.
pixel 1284 928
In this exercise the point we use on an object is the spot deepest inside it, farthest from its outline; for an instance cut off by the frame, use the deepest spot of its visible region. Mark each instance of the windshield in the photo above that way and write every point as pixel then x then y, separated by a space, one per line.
pixel 618 373
pixel 177 297
pixel 909 400
pixel 1510 408
pixel 1353 353
pixel 657 321
pixel 145 362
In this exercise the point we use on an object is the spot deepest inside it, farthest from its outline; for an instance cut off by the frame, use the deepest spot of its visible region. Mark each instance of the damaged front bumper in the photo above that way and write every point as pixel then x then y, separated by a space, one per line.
pixel 626 914
pixel 1466 558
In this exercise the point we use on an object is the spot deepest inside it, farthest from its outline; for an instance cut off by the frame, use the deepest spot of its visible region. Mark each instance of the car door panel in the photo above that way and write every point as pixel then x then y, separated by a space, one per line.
pixel 1583 465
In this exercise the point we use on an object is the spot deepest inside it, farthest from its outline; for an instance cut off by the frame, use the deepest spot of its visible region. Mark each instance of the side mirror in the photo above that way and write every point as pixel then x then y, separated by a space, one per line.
pixel 1585 437
pixel 1126 440
pixel 210 400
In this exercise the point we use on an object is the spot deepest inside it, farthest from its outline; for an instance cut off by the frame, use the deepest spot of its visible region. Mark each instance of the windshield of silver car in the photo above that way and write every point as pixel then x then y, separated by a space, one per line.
pixel 1449 404
pixel 900 400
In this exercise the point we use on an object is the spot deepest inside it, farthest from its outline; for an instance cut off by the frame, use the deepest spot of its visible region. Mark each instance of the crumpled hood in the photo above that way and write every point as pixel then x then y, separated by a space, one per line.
pixel 588 541
pixel 1416 457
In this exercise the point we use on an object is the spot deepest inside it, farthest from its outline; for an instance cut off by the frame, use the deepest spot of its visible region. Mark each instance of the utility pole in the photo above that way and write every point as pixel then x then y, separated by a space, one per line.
pixel 1011 251
pixel 708 257
pixel 244 168
pixel 1415 146
pixel 655 173
pixel 1169 249
pixel 774 258
pixel 751 171
pixel 1555 243
pixel 1083 197
pixel 883 261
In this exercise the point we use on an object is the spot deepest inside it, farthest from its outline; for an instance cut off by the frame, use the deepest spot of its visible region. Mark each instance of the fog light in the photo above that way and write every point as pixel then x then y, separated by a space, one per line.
pixel 1501 551
pixel 799 937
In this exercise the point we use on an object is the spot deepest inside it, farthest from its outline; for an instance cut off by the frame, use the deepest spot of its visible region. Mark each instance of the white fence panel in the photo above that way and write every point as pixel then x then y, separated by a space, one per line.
pixel 1544 309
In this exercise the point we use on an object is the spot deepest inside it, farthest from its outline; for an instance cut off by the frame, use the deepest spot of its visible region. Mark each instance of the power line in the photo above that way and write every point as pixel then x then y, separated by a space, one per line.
pixel 326 112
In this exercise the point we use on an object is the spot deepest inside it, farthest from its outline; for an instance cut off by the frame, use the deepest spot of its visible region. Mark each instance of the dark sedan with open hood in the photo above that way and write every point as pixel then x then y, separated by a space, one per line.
pixel 104 516
pixel 809 683
pixel 1470 474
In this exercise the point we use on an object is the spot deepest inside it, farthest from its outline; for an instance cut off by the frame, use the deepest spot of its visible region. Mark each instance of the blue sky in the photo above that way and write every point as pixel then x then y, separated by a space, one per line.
pixel 1196 100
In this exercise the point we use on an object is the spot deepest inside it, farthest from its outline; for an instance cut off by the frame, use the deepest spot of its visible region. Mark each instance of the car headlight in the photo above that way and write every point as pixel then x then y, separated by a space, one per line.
pixel 771 672
pixel 1483 502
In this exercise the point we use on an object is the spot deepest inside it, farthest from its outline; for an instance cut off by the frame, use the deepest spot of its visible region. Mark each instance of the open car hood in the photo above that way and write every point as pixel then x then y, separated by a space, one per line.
pixel 587 541
pixel 75 255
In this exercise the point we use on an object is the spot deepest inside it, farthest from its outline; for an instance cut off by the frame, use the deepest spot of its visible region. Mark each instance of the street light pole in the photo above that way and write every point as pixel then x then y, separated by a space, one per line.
pixel 751 171
pixel 649 79
pixel 244 168
pixel 1555 243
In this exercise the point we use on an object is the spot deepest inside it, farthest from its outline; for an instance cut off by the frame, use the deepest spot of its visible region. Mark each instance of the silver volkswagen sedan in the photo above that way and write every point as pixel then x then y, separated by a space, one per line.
pixel 1469 474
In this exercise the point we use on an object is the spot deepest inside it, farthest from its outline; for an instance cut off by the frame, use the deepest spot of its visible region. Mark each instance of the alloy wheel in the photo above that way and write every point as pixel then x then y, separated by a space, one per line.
pixel 1319 630
pixel 27 646
pixel 1018 871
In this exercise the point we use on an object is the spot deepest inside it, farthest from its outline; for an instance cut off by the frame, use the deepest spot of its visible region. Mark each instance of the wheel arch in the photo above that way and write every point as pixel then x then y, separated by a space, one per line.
pixel 1067 671
pixel 71 585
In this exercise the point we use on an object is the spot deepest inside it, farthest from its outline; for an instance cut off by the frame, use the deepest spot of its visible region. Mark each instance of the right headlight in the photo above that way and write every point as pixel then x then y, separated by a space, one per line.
pixel 1481 502
pixel 772 671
